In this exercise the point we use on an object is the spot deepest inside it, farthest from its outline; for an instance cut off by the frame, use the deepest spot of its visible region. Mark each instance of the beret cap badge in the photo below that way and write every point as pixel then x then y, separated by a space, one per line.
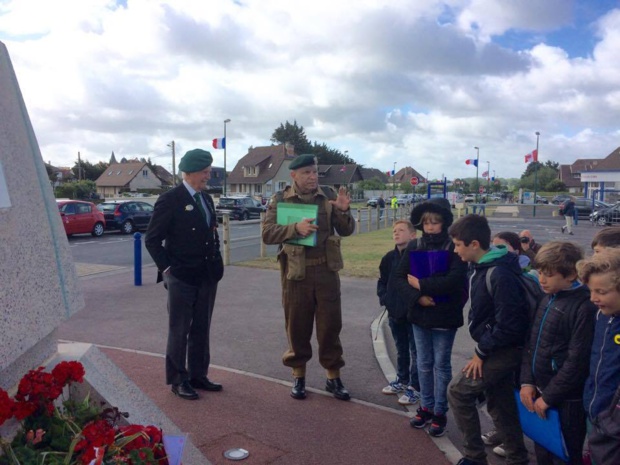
pixel 189 208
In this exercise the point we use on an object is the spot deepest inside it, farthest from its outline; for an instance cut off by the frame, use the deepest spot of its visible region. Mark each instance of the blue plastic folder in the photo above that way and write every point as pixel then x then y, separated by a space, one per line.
pixel 546 433
pixel 426 263
pixel 288 213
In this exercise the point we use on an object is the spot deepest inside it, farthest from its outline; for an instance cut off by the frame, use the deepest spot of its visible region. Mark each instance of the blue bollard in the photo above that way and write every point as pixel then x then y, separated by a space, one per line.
pixel 137 259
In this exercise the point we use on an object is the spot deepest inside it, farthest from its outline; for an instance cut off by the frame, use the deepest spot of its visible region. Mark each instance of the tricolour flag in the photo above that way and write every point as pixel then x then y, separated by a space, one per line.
pixel 390 173
pixel 471 161
pixel 485 174
pixel 533 156
pixel 219 143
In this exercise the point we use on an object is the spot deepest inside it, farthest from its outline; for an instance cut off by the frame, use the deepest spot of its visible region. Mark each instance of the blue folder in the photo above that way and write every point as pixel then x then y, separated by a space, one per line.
pixel 426 263
pixel 546 433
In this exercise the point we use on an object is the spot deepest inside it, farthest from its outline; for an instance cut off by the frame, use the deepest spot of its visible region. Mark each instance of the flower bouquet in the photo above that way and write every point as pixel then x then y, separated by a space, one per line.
pixel 67 432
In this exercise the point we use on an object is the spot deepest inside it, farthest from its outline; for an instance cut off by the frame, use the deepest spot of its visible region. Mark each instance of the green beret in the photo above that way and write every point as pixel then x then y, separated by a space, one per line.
pixel 303 160
pixel 195 160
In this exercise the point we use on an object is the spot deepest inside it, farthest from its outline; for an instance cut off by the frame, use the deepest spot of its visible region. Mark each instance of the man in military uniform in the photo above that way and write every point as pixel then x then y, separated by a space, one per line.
pixel 310 281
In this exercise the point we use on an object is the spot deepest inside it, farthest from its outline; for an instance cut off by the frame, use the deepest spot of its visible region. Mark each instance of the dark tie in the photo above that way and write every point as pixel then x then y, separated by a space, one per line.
pixel 200 207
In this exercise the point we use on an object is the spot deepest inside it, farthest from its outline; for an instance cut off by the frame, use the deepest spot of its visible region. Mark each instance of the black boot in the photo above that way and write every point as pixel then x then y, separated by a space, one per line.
pixel 337 389
pixel 299 389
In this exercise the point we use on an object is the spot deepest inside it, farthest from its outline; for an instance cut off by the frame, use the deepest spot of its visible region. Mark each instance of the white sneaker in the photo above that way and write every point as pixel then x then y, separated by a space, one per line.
pixel 395 387
pixel 491 438
pixel 410 397
pixel 499 450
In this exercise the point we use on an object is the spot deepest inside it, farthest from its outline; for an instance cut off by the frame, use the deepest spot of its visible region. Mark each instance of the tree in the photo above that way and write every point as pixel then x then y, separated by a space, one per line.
pixel 374 184
pixel 89 171
pixel 553 164
pixel 77 190
pixel 329 156
pixel 556 186
pixel 543 177
pixel 295 135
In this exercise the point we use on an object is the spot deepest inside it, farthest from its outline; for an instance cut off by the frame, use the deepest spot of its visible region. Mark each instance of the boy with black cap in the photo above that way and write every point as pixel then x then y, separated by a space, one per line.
pixel 190 265
pixel 310 281
pixel 435 307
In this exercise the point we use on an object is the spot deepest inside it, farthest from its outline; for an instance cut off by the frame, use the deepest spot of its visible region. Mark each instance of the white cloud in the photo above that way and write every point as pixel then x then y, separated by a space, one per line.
pixel 419 83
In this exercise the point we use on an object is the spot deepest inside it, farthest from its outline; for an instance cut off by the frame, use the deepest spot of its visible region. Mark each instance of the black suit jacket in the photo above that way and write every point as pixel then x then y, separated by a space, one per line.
pixel 192 249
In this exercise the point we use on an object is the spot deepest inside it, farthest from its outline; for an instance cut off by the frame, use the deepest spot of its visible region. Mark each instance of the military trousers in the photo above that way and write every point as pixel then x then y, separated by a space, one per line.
pixel 315 298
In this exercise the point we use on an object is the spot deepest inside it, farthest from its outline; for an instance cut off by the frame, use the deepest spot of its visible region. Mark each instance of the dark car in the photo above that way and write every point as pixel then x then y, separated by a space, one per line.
pixel 239 208
pixel 372 202
pixel 606 216
pixel 126 216
pixel 80 217
pixel 560 199
pixel 586 206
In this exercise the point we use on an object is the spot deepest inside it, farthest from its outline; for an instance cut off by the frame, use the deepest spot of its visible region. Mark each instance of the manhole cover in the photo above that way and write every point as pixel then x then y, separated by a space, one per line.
pixel 236 454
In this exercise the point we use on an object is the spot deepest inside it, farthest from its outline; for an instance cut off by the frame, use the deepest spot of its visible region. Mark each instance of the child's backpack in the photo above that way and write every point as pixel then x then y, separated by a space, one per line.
pixel 533 292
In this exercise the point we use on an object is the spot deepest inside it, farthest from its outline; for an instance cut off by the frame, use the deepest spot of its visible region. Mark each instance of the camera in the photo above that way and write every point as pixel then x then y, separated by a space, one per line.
pixel 524 240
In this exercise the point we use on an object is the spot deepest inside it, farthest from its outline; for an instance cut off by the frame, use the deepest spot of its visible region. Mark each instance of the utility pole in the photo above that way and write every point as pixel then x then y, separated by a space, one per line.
pixel 174 175
pixel 394 180
pixel 79 167
pixel 477 183
pixel 535 174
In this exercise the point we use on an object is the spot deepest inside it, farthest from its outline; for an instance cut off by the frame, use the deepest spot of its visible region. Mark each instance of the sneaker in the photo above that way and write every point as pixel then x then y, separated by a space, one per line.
pixel 438 426
pixel 422 417
pixel 395 387
pixel 491 438
pixel 562 229
pixel 570 233
pixel 410 397
pixel 499 450
pixel 465 461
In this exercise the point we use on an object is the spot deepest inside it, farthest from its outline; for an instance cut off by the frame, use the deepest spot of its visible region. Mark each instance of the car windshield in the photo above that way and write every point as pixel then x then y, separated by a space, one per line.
pixel 228 202
pixel 106 207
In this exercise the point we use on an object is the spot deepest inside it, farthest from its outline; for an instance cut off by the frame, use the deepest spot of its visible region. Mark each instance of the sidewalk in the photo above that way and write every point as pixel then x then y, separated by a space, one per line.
pixel 254 411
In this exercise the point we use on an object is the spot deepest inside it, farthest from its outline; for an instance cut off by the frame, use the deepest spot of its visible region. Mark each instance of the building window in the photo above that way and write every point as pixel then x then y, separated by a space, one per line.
pixel 281 185
pixel 145 173
pixel 258 188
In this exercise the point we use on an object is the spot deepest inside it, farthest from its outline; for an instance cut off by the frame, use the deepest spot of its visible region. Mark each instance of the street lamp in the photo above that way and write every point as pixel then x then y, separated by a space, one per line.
pixel 477 161
pixel 535 173
pixel 488 178
pixel 227 120
pixel 394 180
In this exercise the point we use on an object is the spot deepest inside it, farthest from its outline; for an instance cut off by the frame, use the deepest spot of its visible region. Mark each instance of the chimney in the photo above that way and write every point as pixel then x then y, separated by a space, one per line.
pixel 290 149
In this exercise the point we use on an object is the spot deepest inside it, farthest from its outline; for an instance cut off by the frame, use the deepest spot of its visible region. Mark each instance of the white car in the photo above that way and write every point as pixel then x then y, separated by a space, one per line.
pixel 469 198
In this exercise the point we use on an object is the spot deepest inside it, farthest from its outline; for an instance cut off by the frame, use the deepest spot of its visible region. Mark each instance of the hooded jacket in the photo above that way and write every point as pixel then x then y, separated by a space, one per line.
pixel 500 319
pixel 556 359
pixel 446 314
pixel 392 301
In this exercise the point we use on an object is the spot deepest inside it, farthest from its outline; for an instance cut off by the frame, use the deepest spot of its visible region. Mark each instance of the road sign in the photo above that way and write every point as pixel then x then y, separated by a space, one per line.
pixel 414 181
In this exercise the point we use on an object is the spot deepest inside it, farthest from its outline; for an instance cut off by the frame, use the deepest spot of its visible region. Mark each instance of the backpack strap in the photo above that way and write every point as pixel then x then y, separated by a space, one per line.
pixel 488 279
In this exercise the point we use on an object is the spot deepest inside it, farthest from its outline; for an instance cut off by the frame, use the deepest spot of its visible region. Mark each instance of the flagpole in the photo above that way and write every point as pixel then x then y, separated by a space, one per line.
pixel 394 180
pixel 488 179
pixel 477 161
pixel 535 173
pixel 227 120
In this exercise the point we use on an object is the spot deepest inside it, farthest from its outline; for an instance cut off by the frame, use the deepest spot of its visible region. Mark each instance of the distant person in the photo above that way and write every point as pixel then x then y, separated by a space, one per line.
pixel 606 238
pixel 555 363
pixel 183 241
pixel 498 322
pixel 394 203
pixel 309 274
pixel 568 210
pixel 381 206
pixel 511 240
pixel 601 397
pixel 435 306
pixel 528 244
pixel 406 383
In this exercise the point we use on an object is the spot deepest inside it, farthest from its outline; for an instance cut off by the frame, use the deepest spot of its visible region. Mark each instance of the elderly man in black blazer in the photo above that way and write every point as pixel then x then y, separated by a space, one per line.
pixel 190 265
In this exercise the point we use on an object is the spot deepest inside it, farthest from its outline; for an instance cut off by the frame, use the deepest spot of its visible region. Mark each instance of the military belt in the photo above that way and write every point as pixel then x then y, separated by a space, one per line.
pixel 315 261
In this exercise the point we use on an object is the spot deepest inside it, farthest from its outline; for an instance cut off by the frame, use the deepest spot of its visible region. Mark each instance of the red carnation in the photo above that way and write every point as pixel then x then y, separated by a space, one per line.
pixel 7 406
pixel 67 372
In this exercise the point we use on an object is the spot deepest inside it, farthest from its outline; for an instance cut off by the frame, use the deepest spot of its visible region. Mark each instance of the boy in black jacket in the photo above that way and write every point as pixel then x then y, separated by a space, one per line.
pixel 555 364
pixel 498 322
pixel 406 382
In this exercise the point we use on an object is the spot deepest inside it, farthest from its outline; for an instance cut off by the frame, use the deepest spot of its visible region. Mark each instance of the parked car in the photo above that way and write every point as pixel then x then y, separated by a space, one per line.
pixel 469 198
pixel 404 199
pixel 79 217
pixel 586 206
pixel 560 199
pixel 239 208
pixel 606 216
pixel 372 202
pixel 540 199
pixel 127 216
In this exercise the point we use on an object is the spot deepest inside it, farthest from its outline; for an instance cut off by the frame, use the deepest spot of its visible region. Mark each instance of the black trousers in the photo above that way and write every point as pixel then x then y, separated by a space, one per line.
pixel 189 321
pixel 573 425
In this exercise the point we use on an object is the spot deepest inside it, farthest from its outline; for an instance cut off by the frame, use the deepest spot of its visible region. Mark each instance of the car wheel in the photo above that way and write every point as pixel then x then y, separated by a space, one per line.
pixel 245 216
pixel 601 221
pixel 127 227
pixel 98 230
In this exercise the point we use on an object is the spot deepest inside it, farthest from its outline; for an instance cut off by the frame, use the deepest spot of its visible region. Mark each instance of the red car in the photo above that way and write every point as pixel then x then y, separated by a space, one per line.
pixel 79 217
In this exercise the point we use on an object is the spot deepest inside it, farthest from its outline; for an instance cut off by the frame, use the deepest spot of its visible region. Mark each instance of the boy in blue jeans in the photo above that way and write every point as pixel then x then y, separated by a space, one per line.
pixel 555 362
pixel 406 382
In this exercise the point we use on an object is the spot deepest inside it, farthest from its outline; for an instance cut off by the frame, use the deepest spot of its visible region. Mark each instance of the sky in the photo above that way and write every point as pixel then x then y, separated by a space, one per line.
pixel 394 83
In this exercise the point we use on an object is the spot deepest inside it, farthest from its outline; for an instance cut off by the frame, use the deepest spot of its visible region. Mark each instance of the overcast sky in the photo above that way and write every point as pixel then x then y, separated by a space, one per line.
pixel 417 82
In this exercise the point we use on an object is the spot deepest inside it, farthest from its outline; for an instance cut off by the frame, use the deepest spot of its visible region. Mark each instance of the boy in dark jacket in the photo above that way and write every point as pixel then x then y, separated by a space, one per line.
pixel 406 382
pixel 555 364
pixel 435 306
pixel 498 322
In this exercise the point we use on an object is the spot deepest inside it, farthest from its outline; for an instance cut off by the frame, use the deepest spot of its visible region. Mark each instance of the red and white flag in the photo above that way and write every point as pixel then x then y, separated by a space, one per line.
pixel 533 156
pixel 485 174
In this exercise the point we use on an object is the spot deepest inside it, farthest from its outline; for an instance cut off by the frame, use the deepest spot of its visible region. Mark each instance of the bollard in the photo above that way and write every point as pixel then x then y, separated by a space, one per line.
pixel 137 259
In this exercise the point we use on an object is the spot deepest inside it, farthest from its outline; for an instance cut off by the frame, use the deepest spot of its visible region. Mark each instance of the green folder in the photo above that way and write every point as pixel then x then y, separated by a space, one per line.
pixel 289 213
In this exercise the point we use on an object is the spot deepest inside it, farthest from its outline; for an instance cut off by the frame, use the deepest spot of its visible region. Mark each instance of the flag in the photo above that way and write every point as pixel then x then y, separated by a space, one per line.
pixel 485 174
pixel 533 156
pixel 390 173
pixel 471 161
pixel 343 169
pixel 219 143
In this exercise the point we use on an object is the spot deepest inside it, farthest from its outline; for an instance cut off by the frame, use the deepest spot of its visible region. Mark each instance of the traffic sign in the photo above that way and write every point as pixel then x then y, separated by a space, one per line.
pixel 414 181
